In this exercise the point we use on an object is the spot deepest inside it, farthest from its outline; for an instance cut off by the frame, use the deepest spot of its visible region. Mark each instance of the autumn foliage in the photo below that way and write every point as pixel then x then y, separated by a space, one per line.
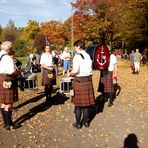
pixel 122 24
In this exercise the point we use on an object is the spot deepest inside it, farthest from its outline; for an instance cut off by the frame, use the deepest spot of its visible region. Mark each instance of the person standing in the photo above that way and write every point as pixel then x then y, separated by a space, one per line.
pixel 82 85
pixel 66 61
pixel 132 61
pixel 8 84
pixel 132 57
pixel 106 80
pixel 48 74
pixel 55 58
pixel 137 59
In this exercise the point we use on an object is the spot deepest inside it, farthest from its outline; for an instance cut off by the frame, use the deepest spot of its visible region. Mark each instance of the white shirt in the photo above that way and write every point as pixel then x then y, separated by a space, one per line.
pixel 53 53
pixel 66 55
pixel 113 61
pixel 46 58
pixel 7 65
pixel 82 66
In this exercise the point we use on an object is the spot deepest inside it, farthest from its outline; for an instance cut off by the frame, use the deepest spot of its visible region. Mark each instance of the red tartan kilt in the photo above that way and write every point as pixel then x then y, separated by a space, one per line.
pixel 7 96
pixel 46 80
pixel 83 90
pixel 106 83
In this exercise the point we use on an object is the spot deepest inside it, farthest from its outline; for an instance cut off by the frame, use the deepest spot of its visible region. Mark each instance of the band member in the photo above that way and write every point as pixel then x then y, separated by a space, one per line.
pixel 8 84
pixel 48 74
pixel 106 80
pixel 83 97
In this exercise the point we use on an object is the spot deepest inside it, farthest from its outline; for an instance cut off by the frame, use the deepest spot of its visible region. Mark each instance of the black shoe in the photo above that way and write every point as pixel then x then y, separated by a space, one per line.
pixel 78 126
pixel 7 127
pixel 10 127
pixel 86 124
pixel 110 104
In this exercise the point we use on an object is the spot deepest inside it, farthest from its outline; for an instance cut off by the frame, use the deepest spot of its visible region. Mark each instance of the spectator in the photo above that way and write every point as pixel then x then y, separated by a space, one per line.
pixel 66 61
pixel 137 59
pixel 132 57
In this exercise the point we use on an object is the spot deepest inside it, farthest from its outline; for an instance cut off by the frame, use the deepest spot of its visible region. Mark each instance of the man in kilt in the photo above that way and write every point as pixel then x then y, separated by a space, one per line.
pixel 8 73
pixel 82 85
pixel 106 80
pixel 48 73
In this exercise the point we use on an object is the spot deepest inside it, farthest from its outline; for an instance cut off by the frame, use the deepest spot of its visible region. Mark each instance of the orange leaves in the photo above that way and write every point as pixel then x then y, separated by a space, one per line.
pixel 54 32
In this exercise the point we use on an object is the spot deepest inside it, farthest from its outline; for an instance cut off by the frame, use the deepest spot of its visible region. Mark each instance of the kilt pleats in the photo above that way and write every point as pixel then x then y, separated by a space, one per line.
pixel 106 83
pixel 83 91
pixel 8 96
pixel 46 80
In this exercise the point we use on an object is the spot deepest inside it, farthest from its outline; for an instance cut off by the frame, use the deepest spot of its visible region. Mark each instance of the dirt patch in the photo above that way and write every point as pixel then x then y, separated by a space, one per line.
pixel 50 126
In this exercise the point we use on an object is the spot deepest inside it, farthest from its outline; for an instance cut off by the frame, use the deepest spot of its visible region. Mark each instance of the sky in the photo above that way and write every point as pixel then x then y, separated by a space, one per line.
pixel 20 11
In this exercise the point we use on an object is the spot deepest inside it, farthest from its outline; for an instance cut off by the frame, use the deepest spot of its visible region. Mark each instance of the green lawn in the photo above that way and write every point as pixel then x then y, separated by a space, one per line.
pixel 23 60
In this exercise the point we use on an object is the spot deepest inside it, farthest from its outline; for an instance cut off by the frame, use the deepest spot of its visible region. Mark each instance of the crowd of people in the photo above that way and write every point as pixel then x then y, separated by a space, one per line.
pixel 48 62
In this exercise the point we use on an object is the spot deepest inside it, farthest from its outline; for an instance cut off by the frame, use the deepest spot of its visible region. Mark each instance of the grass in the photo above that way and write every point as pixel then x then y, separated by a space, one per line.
pixel 23 60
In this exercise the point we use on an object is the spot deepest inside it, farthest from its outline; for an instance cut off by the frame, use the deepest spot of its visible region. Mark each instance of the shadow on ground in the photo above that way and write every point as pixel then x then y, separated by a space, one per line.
pixel 100 102
pixel 98 107
pixel 34 99
pixel 55 100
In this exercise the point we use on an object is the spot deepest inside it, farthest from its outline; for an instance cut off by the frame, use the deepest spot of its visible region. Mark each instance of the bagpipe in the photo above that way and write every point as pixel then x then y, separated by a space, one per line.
pixel 100 56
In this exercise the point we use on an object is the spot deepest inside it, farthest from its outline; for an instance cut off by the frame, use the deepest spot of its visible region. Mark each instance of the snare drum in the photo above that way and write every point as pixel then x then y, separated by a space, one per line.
pixel 65 85
pixel 29 82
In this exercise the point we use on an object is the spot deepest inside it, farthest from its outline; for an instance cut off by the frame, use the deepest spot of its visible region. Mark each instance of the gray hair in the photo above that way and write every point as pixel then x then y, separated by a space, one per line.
pixel 6 45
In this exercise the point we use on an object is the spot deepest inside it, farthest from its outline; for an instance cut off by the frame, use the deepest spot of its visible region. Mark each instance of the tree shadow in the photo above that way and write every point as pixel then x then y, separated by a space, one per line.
pixel 55 100
pixel 131 141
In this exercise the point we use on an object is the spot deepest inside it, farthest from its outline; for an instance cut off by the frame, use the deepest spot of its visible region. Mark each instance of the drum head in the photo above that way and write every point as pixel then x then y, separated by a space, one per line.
pixel 101 57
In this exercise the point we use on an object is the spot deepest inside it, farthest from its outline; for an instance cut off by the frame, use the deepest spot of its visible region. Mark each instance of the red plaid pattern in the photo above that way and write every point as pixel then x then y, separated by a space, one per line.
pixel 46 80
pixel 106 83
pixel 83 91
pixel 8 96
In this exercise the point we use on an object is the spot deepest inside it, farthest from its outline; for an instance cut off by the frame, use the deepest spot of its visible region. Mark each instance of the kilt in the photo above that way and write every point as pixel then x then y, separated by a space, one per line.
pixel 46 80
pixel 8 96
pixel 106 83
pixel 83 91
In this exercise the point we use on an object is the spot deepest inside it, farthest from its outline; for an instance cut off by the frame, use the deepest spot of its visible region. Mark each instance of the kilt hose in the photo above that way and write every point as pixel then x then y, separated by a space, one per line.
pixel 46 80
pixel 106 83
pixel 83 91
pixel 8 96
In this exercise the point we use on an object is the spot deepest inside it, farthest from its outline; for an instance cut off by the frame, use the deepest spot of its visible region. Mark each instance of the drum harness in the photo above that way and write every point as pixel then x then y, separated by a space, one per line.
pixel 2 56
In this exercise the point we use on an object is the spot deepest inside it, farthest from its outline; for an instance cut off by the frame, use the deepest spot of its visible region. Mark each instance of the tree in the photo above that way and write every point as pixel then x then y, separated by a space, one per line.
pixel 130 23
pixel 29 34
pixel 98 25
pixel 53 31
pixel 9 32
